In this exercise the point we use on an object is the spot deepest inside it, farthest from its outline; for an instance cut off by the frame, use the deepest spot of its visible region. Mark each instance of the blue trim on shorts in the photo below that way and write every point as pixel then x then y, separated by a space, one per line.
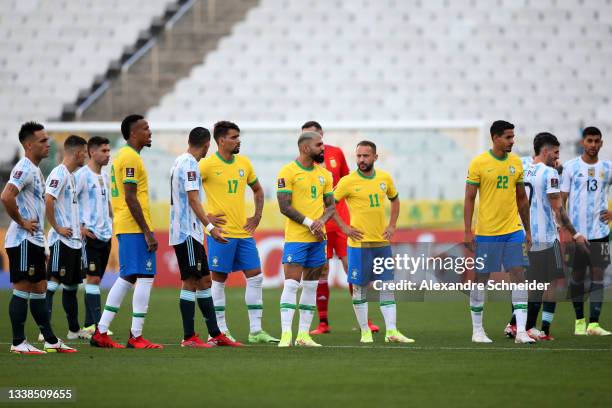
pixel 134 257
pixel 507 251
pixel 307 254
pixel 239 254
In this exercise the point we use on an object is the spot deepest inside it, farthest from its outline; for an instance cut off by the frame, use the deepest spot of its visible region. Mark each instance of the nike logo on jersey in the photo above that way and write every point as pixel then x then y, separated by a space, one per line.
pixel 358 190
pixel 490 170
pixel 299 178
pixel 218 173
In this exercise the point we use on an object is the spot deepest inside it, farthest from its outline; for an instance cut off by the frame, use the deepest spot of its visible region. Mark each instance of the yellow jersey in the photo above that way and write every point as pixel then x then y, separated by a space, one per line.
pixel 128 167
pixel 365 197
pixel 497 179
pixel 308 187
pixel 225 184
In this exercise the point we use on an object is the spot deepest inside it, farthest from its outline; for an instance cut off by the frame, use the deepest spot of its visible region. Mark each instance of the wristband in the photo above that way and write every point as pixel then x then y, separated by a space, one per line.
pixel 210 227
pixel 576 235
pixel 307 222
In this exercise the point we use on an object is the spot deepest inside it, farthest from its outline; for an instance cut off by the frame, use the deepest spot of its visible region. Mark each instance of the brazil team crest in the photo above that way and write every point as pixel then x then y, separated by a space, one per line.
pixel 512 170
pixel 215 261
pixel 241 173
pixel 149 265
pixel 289 258
pixel 354 273
pixel 322 180
pixel 383 186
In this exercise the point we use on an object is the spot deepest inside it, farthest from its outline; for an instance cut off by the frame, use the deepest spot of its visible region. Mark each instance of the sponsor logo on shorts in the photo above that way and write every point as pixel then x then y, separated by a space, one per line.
pixel 129 172
pixel 191 176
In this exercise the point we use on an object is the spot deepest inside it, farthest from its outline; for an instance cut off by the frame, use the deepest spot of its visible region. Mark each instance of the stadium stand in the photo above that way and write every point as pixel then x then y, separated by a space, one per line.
pixel 541 64
pixel 51 49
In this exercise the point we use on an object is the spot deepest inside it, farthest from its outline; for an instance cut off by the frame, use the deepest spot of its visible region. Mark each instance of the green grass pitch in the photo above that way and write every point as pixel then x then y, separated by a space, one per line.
pixel 442 368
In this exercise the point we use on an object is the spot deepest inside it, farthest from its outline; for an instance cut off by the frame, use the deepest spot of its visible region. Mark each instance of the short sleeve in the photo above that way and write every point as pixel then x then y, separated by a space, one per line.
pixel 190 174
pixel 20 177
pixel 203 172
pixel 251 176
pixel 552 181
pixel 609 172
pixel 473 176
pixel 391 190
pixel 344 168
pixel 520 174
pixel 55 183
pixel 566 179
pixel 284 181
pixel 341 191
pixel 132 171
pixel 329 184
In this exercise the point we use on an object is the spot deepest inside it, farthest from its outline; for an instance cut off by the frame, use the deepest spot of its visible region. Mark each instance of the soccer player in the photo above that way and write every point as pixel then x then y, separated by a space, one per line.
pixel 133 228
pixel 96 216
pixel 584 187
pixel 498 175
pixel 305 197
pixel 365 190
pixel 23 199
pixel 225 176
pixel 336 164
pixel 62 209
pixel 545 261
pixel 187 219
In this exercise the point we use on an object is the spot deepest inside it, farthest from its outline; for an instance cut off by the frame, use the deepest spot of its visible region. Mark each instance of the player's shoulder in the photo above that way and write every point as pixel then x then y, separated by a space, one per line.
pixel 383 174
pixel 572 164
pixel 58 171
pixel 128 153
pixel 322 170
pixel 515 159
pixel 242 160
pixel 481 158
pixel 23 168
pixel 290 167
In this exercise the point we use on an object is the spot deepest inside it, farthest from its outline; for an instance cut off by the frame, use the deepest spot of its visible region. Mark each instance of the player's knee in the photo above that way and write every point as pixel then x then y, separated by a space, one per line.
pixel 93 280
pixel 359 292
pixel 255 281
pixel 252 273
pixel 219 277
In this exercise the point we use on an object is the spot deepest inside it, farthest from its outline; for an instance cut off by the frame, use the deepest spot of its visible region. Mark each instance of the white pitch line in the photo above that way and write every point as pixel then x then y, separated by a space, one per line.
pixel 415 348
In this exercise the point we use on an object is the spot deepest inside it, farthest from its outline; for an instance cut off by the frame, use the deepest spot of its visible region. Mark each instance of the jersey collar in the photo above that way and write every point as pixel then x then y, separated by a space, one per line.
pixel 128 146
pixel 497 158
pixel 304 168
pixel 226 161
pixel 366 177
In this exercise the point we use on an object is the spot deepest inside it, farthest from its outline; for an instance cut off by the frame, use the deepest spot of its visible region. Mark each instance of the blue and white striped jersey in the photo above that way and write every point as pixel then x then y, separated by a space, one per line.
pixel 184 177
pixel 587 185
pixel 94 201
pixel 541 180
pixel 62 186
pixel 526 161
pixel 28 179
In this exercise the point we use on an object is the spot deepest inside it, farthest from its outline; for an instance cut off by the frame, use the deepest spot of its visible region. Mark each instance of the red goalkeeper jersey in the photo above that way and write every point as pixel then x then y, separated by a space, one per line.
pixel 336 164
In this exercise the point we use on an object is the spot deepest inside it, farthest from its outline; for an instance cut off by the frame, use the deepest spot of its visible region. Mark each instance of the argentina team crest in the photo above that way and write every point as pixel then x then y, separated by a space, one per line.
pixel 591 171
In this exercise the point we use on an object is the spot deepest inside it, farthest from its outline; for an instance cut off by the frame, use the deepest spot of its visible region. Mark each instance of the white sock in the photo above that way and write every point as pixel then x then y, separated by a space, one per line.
pixel 360 306
pixel 388 309
pixel 140 304
pixel 218 295
pixel 253 297
pixel 287 303
pixel 308 302
pixel 113 302
pixel 477 308
pixel 519 304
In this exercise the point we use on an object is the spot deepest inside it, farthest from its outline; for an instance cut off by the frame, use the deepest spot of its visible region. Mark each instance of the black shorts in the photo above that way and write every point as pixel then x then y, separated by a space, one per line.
pixel 26 262
pixel 95 257
pixel 598 256
pixel 65 264
pixel 191 258
pixel 546 265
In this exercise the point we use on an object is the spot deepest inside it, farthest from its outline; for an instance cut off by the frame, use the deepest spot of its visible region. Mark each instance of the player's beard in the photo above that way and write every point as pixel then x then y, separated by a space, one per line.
pixel 365 167
pixel 236 150
pixel 318 158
